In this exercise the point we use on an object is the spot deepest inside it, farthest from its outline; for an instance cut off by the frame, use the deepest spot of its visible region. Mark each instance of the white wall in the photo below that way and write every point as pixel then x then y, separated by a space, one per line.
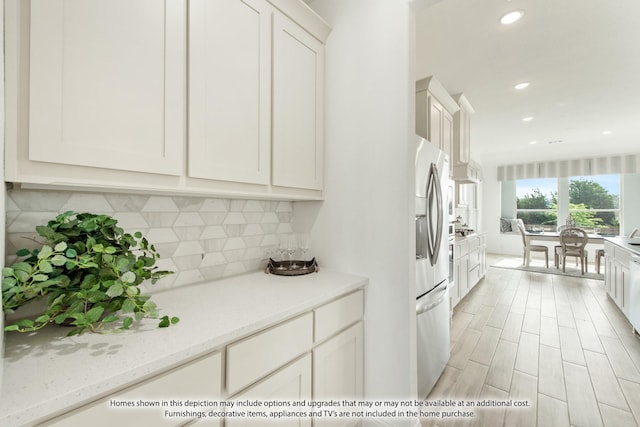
pixel 2 190
pixel 365 225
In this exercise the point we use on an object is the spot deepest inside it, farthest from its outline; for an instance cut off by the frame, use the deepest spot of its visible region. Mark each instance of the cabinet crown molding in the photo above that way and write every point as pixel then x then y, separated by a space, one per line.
pixel 436 88
pixel 306 17
pixel 463 102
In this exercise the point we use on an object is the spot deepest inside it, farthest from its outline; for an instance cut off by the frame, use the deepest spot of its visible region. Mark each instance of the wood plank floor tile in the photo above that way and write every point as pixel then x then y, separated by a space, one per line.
pixel 527 355
pixel 583 407
pixel 549 334
pixel 523 388
pixel 491 416
pixel 558 342
pixel 531 321
pixel 620 360
pixel 614 417
pixel 632 345
pixel 481 317
pixel 551 374
pixel 565 316
pixel 570 345
pixel 519 303
pixel 470 381
pixel 631 391
pixel 498 316
pixel 463 348
pixel 605 384
pixel 552 412
pixel 459 323
pixel 445 384
pixel 588 336
pixel 501 368
pixel 512 327
pixel 602 324
pixel 486 347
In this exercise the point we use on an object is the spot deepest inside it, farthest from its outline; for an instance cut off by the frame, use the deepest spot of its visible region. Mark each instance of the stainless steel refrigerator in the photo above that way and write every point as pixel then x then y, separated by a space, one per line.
pixel 432 264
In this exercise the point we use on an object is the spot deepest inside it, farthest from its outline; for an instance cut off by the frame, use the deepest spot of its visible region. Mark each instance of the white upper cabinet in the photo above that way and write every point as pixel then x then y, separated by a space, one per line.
pixel 216 98
pixel 298 76
pixel 463 167
pixel 229 90
pixel 106 84
pixel 434 113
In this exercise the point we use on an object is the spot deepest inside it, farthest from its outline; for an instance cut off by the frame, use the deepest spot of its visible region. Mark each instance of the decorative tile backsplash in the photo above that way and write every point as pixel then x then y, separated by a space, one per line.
pixel 199 239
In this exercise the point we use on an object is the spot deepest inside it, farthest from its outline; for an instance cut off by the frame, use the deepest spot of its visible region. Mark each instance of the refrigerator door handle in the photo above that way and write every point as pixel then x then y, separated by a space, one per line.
pixel 438 296
pixel 434 194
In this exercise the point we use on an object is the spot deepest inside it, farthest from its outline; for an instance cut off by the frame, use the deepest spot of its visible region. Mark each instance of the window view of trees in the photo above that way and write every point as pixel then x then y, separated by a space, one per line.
pixel 538 210
pixel 594 203
pixel 593 206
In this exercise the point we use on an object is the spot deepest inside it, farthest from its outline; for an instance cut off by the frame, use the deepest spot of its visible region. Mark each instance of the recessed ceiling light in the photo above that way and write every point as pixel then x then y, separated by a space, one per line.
pixel 521 86
pixel 527 119
pixel 606 132
pixel 533 142
pixel 511 17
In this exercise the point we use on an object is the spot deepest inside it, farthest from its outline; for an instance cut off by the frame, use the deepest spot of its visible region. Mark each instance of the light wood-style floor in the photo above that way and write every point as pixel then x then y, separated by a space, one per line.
pixel 557 342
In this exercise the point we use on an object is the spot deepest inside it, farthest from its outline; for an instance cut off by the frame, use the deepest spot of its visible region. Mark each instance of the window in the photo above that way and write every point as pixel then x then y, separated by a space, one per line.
pixel 594 202
pixel 537 203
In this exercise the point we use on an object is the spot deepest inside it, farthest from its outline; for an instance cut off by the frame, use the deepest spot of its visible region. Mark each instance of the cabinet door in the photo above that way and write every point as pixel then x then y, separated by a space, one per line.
pixel 447 137
pixel 107 84
pixel 201 379
pixel 338 370
pixel 607 274
pixel 298 87
pixel 291 383
pixel 229 90
pixel 436 118
pixel 462 146
pixel 464 275
pixel 626 290
pixel 617 296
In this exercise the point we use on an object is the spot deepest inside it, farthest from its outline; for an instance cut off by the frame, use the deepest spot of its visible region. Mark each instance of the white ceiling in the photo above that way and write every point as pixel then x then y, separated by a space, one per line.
pixel 582 58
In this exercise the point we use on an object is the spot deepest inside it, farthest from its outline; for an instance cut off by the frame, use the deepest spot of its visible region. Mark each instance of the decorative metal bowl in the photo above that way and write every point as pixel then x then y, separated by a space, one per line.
pixel 291 268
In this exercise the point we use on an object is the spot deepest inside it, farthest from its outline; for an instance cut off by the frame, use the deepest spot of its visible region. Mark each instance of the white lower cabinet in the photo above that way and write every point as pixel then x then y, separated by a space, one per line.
pixel 338 371
pixel 290 383
pixel 201 379
pixel 617 276
pixel 317 355
pixel 470 265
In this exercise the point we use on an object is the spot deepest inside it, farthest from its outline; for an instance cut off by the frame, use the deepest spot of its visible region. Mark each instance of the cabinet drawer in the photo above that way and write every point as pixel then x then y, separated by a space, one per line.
pixel 254 357
pixel 337 315
pixel 622 256
pixel 201 379
pixel 461 249
pixel 474 243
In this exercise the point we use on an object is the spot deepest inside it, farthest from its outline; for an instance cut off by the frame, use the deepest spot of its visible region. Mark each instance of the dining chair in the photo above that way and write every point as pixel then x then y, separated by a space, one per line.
pixel 600 252
pixel 573 241
pixel 528 247
pixel 557 249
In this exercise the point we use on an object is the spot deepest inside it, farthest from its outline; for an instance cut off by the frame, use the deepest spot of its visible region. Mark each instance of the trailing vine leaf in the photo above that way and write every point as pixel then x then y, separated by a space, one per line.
pixel 88 270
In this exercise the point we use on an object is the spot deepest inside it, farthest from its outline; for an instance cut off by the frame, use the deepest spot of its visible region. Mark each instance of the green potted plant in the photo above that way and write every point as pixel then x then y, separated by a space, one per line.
pixel 88 273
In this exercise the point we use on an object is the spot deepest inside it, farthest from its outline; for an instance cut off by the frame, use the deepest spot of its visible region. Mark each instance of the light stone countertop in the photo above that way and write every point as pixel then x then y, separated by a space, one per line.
pixel 623 242
pixel 47 373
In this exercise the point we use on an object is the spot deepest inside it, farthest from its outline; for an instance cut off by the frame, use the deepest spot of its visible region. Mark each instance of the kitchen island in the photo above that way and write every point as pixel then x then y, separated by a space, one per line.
pixel 47 373
pixel 620 277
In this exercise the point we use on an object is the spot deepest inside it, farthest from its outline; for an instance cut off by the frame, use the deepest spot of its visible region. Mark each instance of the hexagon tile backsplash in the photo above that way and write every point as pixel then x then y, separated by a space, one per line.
pixel 198 238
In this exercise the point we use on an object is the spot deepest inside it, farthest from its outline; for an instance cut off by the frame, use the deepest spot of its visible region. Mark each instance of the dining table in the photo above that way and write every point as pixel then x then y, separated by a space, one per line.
pixel 554 236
